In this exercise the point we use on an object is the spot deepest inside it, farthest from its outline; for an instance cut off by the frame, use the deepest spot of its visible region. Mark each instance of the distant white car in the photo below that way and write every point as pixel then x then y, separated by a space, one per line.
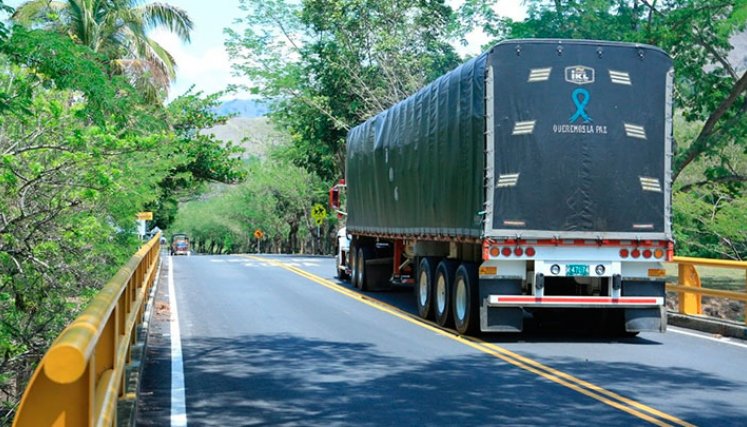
pixel 343 255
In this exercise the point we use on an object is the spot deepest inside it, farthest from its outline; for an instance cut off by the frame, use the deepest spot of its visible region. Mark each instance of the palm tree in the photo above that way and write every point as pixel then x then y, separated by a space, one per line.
pixel 117 29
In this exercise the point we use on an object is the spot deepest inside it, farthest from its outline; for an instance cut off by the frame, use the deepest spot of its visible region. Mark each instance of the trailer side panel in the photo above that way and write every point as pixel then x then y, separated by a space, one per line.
pixel 417 168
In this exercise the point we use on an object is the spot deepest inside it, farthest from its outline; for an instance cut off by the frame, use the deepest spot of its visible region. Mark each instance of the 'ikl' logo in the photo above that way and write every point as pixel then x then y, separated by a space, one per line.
pixel 579 74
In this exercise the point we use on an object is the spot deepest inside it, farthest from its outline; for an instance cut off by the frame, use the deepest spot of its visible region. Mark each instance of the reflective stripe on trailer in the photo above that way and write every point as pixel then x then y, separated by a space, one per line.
pixel 570 301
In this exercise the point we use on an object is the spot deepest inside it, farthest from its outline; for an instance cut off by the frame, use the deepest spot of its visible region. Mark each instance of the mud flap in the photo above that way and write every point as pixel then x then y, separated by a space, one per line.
pixel 378 273
pixel 653 319
pixel 500 319
pixel 645 319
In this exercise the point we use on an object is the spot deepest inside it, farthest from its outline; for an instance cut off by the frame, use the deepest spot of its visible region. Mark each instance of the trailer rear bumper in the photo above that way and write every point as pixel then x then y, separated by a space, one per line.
pixel 574 301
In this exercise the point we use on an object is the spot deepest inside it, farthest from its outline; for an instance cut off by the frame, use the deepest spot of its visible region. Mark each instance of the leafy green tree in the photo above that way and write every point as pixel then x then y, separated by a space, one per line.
pixel 332 64
pixel 276 199
pixel 81 151
pixel 72 175
pixel 68 66
pixel 707 221
pixel 201 157
pixel 117 29
pixel 711 224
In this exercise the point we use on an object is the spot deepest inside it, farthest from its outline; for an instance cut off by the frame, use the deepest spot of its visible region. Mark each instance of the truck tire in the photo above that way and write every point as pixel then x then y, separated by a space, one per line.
pixel 466 299
pixel 361 279
pixel 424 287
pixel 442 291
pixel 353 254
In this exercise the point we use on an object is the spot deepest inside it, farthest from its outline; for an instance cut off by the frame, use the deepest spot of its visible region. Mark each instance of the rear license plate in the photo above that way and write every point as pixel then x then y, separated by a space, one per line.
pixel 576 270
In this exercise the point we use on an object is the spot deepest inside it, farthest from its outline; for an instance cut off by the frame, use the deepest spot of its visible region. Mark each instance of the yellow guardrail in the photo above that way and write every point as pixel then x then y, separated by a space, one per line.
pixel 689 286
pixel 81 377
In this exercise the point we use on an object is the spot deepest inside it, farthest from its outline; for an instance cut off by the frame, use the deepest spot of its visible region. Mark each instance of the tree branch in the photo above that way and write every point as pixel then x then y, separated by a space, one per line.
pixel 719 180
pixel 724 63
pixel 701 142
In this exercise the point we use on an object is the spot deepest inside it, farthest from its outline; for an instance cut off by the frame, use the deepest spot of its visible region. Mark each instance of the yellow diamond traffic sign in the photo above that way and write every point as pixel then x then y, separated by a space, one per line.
pixel 318 213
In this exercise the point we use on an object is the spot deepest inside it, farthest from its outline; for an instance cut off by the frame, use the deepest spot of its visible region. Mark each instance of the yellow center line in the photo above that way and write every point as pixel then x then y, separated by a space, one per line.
pixel 586 388
pixel 590 386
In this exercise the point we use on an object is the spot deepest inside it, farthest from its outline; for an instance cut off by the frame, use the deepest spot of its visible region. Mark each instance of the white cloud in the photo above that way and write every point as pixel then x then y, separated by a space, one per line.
pixel 476 39
pixel 209 69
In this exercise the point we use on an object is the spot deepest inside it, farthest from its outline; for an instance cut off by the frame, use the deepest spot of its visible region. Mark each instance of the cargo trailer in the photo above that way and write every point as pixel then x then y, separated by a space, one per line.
pixel 535 177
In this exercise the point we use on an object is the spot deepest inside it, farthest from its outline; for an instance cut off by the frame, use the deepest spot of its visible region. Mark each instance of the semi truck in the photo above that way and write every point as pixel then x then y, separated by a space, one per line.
pixel 534 178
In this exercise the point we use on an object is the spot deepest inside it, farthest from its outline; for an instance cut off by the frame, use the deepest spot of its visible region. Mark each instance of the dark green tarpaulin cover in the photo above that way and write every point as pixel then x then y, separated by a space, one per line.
pixel 579 138
pixel 417 168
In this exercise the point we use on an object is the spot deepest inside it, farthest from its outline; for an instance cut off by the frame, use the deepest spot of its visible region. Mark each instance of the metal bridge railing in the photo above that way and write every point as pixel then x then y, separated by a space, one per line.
pixel 689 286
pixel 81 377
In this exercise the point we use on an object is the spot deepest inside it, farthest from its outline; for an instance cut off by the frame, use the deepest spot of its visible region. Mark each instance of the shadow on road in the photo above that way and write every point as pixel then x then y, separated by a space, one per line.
pixel 558 327
pixel 290 380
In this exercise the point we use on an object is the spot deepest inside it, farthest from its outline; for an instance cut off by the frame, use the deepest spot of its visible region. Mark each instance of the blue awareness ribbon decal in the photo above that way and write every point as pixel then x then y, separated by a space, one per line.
pixel 581 105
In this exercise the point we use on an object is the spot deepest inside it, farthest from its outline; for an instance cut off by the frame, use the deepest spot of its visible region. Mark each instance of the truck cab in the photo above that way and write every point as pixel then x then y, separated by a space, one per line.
pixel 342 257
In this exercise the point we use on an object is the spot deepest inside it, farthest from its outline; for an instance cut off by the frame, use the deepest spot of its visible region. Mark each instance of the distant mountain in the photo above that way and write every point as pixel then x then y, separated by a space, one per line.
pixel 244 108
pixel 256 134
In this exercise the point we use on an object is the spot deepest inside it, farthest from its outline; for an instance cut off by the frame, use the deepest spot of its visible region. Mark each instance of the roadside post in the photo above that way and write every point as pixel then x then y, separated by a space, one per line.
pixel 318 214
pixel 259 235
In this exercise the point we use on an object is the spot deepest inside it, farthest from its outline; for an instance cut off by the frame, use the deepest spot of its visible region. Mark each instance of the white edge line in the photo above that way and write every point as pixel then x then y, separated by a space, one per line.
pixel 706 337
pixel 178 399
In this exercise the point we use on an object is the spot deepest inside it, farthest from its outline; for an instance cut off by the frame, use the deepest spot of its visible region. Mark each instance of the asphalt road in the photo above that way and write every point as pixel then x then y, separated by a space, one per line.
pixel 277 340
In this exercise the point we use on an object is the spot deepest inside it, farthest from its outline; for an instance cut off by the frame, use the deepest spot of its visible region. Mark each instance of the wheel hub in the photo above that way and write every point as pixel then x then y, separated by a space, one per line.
pixel 441 294
pixel 460 302
pixel 423 288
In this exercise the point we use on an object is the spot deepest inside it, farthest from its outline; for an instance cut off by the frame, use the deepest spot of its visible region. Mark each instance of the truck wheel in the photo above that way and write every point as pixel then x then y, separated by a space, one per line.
pixel 465 299
pixel 424 287
pixel 364 254
pixel 353 254
pixel 442 292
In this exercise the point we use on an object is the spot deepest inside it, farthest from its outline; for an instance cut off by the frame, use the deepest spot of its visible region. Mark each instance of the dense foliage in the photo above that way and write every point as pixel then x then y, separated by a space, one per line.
pixel 117 30
pixel 81 151
pixel 202 157
pixel 276 199
pixel 332 64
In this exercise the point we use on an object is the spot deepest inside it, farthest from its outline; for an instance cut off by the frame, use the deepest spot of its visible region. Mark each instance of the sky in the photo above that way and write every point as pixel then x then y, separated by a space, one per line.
pixel 205 64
